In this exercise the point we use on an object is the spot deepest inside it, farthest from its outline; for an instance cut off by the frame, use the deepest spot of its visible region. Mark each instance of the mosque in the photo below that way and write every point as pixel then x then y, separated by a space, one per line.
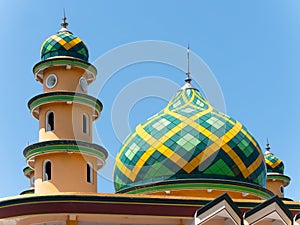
pixel 187 164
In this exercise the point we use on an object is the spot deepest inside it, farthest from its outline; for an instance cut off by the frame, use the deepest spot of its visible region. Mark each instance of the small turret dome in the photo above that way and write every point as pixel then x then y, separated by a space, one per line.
pixel 274 164
pixel 189 139
pixel 64 44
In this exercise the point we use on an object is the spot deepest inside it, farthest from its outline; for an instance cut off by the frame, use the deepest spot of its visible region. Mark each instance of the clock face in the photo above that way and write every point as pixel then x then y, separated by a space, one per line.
pixel 83 84
pixel 51 81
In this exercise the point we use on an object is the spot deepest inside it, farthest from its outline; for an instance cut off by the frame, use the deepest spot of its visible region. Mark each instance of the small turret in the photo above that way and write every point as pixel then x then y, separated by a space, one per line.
pixel 276 180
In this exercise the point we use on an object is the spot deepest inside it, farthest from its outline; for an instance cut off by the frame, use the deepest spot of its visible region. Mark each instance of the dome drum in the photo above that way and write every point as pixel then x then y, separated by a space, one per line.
pixel 198 186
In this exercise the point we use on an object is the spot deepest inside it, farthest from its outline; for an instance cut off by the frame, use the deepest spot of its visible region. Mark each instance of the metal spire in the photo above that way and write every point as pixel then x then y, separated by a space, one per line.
pixel 268 147
pixel 188 79
pixel 64 24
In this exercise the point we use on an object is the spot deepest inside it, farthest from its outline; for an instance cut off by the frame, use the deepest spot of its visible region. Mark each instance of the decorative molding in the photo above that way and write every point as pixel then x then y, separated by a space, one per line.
pixel 67 97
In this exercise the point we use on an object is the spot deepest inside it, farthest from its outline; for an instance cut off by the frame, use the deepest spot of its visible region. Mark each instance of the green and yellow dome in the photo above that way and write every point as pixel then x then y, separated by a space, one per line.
pixel 62 44
pixel 274 164
pixel 189 140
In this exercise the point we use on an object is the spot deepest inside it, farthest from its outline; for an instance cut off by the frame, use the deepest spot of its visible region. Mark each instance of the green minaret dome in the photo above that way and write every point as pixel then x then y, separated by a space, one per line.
pixel 64 44
pixel 189 140
pixel 274 163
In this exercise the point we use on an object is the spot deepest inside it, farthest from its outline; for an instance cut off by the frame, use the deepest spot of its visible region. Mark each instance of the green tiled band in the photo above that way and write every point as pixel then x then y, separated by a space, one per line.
pixel 27 170
pixel 59 146
pixel 26 192
pixel 278 177
pixel 64 61
pixel 73 97
pixel 203 185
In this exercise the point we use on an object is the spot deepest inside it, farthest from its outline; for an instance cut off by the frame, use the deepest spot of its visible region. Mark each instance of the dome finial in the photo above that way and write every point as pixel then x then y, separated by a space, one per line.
pixel 64 24
pixel 188 79
pixel 268 147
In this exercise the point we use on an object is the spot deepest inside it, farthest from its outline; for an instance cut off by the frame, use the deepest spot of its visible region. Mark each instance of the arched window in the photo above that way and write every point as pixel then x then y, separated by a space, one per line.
pixel 282 189
pixel 89 172
pixel 50 121
pixel 47 170
pixel 85 124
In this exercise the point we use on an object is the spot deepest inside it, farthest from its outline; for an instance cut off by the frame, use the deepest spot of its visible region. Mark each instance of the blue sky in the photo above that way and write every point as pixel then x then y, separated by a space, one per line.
pixel 251 47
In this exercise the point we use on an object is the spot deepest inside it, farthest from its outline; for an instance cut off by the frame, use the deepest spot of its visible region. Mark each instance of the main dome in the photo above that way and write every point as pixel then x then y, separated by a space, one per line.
pixel 62 44
pixel 188 139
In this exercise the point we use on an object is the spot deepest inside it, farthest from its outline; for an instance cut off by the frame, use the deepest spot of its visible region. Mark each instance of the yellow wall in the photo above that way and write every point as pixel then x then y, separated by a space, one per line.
pixel 274 186
pixel 205 194
pixel 68 173
pixel 72 222
pixel 31 179
pixel 68 122
pixel 67 79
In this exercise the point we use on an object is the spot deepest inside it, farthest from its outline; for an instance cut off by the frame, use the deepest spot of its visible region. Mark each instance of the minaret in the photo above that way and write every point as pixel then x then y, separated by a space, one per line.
pixel 65 159
pixel 276 180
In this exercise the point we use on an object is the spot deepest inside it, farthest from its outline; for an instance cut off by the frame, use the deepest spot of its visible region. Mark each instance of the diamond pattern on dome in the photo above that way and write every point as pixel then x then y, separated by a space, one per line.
pixel 221 168
pixel 177 103
pixel 274 164
pixel 201 104
pixel 132 151
pixel 161 124
pixel 64 44
pixel 189 140
pixel 188 110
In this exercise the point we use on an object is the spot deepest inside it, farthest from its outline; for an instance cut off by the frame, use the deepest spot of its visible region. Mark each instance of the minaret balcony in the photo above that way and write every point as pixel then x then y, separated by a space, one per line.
pixel 65 146
pixel 68 62
pixel 64 97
